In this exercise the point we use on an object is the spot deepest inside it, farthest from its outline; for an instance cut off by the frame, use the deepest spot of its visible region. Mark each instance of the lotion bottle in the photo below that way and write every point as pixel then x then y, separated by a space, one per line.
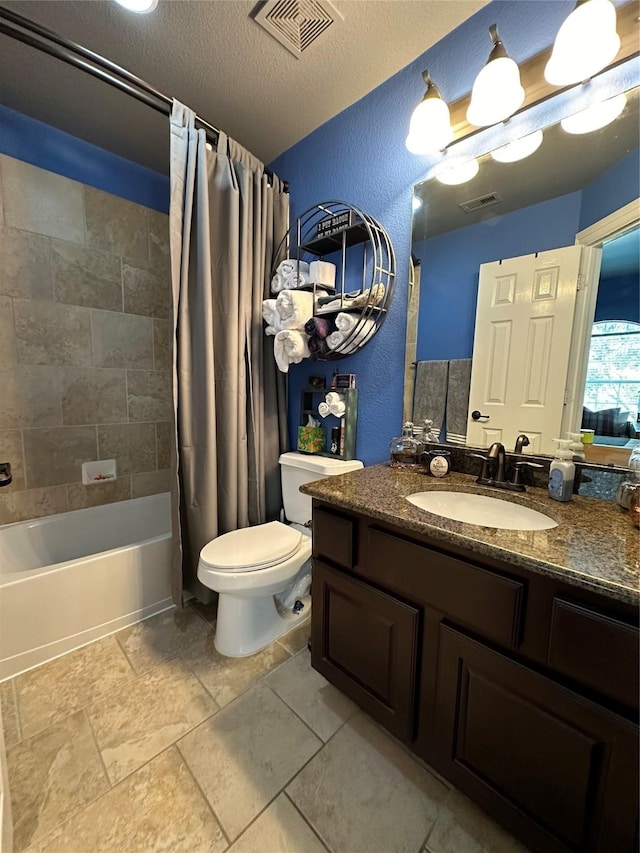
pixel 562 472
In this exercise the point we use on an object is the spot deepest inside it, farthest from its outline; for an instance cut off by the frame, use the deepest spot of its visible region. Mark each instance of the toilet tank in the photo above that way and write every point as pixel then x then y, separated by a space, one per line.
pixel 299 468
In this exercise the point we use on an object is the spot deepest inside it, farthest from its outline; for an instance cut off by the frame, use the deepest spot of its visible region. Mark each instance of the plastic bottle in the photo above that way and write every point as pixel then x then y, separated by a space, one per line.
pixel 562 472
pixel 576 446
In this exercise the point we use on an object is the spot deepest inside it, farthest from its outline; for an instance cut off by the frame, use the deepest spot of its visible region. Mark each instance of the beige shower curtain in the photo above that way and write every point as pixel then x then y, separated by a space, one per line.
pixel 229 404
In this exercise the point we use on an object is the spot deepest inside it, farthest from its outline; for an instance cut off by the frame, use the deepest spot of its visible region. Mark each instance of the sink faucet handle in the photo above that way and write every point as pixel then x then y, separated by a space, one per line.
pixel 482 456
pixel 517 472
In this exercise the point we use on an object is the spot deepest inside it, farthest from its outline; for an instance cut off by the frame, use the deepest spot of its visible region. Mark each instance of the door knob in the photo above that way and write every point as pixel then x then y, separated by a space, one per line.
pixel 478 416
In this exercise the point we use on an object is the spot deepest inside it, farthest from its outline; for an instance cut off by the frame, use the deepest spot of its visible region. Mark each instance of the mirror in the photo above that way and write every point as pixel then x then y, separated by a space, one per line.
pixel 513 209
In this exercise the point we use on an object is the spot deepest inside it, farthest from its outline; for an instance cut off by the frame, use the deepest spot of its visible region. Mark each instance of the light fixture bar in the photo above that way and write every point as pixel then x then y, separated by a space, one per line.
pixel 536 87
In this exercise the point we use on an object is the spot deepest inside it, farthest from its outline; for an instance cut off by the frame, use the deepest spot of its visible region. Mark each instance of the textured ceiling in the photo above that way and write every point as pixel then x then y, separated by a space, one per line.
pixel 213 56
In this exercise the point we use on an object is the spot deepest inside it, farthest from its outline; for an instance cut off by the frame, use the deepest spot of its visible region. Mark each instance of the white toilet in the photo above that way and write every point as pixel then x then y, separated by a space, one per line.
pixel 263 574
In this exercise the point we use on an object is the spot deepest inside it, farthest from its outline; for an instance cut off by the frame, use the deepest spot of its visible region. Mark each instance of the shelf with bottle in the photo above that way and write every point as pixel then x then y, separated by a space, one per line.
pixel 345 423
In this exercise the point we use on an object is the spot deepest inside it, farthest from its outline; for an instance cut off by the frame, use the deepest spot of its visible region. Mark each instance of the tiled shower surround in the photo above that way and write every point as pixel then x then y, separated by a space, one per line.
pixel 84 343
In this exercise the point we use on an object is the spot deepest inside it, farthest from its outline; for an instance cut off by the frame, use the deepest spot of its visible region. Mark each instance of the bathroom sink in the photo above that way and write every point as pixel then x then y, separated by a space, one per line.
pixel 481 509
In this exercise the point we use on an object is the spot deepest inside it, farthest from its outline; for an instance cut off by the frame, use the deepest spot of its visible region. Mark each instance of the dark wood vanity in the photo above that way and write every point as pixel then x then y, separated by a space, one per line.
pixel 518 687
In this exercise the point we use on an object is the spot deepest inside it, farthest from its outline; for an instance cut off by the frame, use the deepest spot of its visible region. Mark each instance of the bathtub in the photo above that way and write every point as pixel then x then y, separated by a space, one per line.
pixel 72 578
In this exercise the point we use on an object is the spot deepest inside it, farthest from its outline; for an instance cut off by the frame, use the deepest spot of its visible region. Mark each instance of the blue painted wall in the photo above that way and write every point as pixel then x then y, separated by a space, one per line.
pixel 360 157
pixel 40 144
pixel 616 187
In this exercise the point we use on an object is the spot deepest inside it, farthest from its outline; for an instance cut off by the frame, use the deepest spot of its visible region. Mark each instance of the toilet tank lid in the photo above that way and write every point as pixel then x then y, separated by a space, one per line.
pixel 324 466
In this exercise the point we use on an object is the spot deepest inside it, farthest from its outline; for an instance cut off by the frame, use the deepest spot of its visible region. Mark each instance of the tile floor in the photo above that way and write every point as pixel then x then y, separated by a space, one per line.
pixel 149 740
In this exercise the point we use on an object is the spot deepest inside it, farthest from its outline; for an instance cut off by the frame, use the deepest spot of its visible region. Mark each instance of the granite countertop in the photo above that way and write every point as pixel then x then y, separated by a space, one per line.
pixel 593 546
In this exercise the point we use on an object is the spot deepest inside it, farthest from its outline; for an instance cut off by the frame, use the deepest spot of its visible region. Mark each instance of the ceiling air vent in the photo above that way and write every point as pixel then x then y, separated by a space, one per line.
pixel 483 201
pixel 296 24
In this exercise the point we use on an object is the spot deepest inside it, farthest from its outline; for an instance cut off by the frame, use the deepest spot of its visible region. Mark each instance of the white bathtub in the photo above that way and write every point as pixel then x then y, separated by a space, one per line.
pixel 72 578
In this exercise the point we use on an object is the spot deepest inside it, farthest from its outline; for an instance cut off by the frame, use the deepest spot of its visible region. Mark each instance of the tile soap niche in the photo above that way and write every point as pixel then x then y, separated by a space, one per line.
pixel 94 473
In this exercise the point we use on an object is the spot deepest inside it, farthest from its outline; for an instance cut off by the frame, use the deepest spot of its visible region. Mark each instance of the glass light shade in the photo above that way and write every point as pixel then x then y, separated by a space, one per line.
pixel 496 94
pixel 139 6
pixel 596 116
pixel 459 174
pixel 586 43
pixel 416 203
pixel 430 128
pixel 519 148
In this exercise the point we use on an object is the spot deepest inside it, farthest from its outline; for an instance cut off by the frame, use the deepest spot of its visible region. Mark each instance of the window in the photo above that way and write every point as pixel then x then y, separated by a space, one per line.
pixel 613 374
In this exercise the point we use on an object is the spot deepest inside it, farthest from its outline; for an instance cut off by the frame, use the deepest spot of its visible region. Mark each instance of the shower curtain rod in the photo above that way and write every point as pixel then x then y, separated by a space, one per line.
pixel 29 32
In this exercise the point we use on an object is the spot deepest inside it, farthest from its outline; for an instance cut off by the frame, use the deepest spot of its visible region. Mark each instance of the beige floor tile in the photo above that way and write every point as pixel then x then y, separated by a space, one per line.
pixel 145 717
pixel 226 678
pixel 461 814
pixel 447 836
pixel 158 809
pixel 207 611
pixel 362 792
pixel 279 829
pixel 56 689
pixel 321 706
pixel 52 776
pixel 10 721
pixel 244 755
pixel 297 639
pixel 161 637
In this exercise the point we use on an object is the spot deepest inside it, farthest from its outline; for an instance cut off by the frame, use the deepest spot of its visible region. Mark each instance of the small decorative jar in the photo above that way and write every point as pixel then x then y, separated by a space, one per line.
pixel 438 462
pixel 405 449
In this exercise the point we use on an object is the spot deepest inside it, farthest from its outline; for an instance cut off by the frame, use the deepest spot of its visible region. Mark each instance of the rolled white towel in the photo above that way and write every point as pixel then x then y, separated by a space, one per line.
pixel 270 316
pixel 298 279
pixel 336 340
pixel 323 272
pixel 337 409
pixel 278 282
pixel 290 265
pixel 324 409
pixel 345 322
pixel 290 347
pixel 295 307
pixel 332 397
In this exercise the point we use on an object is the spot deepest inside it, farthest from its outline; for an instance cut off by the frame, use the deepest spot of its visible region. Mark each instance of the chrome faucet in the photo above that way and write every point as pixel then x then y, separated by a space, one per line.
pixel 521 441
pixel 5 474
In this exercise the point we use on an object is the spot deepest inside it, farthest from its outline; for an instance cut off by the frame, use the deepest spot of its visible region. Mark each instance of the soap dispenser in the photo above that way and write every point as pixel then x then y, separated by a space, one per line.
pixel 576 446
pixel 562 472
pixel 405 449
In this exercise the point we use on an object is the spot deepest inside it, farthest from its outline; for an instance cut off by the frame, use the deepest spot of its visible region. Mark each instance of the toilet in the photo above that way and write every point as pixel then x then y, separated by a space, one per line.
pixel 262 574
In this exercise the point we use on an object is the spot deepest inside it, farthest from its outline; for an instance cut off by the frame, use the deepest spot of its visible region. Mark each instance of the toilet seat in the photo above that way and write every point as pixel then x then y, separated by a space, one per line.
pixel 252 548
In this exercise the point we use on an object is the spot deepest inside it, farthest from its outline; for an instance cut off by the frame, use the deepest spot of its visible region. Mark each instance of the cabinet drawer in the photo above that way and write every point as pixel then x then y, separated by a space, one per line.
pixel 478 598
pixel 595 650
pixel 365 642
pixel 333 538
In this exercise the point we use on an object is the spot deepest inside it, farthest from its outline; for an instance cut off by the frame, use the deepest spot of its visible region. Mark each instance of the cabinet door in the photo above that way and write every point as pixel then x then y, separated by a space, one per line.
pixel 556 769
pixel 365 642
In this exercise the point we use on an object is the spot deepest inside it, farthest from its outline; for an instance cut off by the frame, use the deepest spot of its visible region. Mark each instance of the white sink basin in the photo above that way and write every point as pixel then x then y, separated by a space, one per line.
pixel 481 509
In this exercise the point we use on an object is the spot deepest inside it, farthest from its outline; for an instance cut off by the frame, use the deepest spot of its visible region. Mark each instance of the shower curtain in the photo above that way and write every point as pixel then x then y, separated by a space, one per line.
pixel 226 219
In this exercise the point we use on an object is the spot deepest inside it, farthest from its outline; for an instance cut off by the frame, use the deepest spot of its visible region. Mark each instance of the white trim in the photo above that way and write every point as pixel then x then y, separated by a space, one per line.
pixel 619 220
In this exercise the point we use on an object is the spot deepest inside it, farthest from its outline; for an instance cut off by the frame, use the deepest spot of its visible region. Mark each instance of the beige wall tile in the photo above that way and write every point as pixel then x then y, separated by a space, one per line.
pixel 25 267
pixel 52 777
pixel 32 503
pixel 122 340
pixel 53 691
pixel 86 276
pixel 149 394
pixel 30 396
pixel 55 456
pixel 80 496
pixel 10 721
pixel 41 201
pixel 116 225
pixel 157 808
pixel 7 335
pixel 144 292
pixel 159 252
pixel 93 396
pixel 161 345
pixel 151 483
pixel 11 451
pixel 164 436
pixel 50 333
pixel 133 446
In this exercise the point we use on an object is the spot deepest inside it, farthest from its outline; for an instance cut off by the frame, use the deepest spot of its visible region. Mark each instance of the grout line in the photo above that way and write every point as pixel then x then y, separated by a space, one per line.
pixel 17 709
pixel 199 787
pixel 307 821
pixel 296 714
pixel 97 746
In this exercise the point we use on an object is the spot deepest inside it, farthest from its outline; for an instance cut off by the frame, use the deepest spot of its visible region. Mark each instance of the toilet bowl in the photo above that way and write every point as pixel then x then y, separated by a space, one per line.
pixel 262 574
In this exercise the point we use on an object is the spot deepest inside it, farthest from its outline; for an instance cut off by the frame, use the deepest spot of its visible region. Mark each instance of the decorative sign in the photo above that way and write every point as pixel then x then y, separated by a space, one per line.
pixel 335 224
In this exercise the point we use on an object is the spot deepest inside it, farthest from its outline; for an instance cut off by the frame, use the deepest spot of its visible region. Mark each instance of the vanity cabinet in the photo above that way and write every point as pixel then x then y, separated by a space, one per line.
pixel 520 689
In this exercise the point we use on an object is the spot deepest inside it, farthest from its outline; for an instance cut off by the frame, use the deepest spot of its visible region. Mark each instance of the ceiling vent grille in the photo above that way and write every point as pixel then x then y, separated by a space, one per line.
pixel 482 201
pixel 296 24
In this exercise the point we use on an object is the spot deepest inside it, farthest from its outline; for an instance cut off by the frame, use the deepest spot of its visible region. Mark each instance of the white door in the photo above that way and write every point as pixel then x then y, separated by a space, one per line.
pixel 522 342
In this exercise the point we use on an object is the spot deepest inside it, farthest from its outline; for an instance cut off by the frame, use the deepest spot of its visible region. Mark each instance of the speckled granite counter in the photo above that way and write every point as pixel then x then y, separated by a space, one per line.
pixel 594 545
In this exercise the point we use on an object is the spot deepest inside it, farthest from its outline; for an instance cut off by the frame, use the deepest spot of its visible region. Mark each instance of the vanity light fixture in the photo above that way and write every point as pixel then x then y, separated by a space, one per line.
pixel 416 203
pixel 141 7
pixel 459 174
pixel 430 127
pixel 596 116
pixel 497 92
pixel 519 148
pixel 586 43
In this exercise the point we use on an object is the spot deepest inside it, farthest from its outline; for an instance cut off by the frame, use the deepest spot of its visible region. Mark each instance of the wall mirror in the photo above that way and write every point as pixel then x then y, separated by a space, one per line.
pixel 515 209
